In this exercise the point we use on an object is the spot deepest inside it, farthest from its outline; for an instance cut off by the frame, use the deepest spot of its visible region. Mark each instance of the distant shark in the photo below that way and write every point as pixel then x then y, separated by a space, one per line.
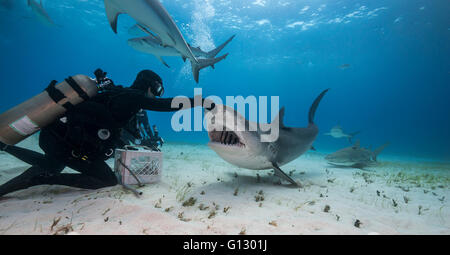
pixel 152 15
pixel 245 148
pixel 153 45
pixel 337 132
pixel 355 156
pixel 40 12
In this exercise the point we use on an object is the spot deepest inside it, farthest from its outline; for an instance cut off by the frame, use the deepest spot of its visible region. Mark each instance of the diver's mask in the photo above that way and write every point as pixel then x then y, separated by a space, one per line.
pixel 157 89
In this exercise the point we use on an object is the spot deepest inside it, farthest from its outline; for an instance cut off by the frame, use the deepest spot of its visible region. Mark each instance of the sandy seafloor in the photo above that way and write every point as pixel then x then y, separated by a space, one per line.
pixel 395 197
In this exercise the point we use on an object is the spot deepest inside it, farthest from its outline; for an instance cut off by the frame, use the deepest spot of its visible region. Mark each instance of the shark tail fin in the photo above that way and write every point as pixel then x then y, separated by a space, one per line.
pixel 203 63
pixel 312 110
pixel 213 53
pixel 112 12
pixel 351 135
pixel 377 151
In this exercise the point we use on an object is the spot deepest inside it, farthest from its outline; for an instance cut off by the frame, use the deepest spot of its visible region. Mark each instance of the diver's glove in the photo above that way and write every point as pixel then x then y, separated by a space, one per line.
pixel 103 82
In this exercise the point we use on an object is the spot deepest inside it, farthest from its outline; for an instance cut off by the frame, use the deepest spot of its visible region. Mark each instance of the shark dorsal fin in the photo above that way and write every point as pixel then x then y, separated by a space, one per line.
pixel 357 145
pixel 280 118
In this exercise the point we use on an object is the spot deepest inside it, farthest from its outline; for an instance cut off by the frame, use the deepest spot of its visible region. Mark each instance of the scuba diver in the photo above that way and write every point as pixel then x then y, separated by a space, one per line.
pixel 86 136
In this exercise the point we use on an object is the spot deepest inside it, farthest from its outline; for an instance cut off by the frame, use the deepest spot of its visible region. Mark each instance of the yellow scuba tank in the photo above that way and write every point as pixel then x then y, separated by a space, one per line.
pixel 29 117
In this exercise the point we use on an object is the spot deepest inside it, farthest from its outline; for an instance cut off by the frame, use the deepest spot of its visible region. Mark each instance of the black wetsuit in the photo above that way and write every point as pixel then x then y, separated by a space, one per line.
pixel 138 128
pixel 76 143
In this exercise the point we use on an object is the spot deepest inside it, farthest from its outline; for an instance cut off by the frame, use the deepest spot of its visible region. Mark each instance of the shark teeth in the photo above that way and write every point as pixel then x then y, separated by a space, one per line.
pixel 226 138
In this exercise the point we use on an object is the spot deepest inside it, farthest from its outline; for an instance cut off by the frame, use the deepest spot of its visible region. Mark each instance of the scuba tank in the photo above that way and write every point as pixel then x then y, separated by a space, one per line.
pixel 38 112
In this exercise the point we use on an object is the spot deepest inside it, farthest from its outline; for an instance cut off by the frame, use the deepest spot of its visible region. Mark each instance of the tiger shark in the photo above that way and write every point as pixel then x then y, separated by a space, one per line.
pixel 338 132
pixel 153 46
pixel 40 12
pixel 247 150
pixel 151 14
pixel 355 156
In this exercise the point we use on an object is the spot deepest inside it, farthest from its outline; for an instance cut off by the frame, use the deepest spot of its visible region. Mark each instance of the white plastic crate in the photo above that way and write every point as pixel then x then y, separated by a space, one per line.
pixel 144 163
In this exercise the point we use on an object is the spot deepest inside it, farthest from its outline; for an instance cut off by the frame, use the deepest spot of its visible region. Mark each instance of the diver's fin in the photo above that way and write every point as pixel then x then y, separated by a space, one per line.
pixel 112 12
pixel 312 110
pixel 162 61
pixel 379 150
pixel 213 53
pixel 282 175
pixel 202 63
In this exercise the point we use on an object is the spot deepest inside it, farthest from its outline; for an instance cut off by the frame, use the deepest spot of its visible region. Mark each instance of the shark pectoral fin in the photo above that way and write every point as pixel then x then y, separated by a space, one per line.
pixel 281 174
pixel 162 61
pixel 112 12
pixel 145 30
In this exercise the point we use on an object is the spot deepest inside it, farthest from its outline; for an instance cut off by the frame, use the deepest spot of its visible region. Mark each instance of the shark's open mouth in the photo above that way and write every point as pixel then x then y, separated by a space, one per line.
pixel 226 138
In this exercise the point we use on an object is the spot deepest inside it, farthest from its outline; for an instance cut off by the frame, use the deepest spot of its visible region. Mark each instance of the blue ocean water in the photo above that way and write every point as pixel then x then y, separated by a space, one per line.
pixel 387 62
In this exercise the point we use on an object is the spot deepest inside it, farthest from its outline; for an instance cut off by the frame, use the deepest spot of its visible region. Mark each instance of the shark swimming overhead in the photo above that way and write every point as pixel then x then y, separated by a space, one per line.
pixel 247 150
pixel 153 16
pixel 40 12
pixel 338 132
pixel 153 45
pixel 355 156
